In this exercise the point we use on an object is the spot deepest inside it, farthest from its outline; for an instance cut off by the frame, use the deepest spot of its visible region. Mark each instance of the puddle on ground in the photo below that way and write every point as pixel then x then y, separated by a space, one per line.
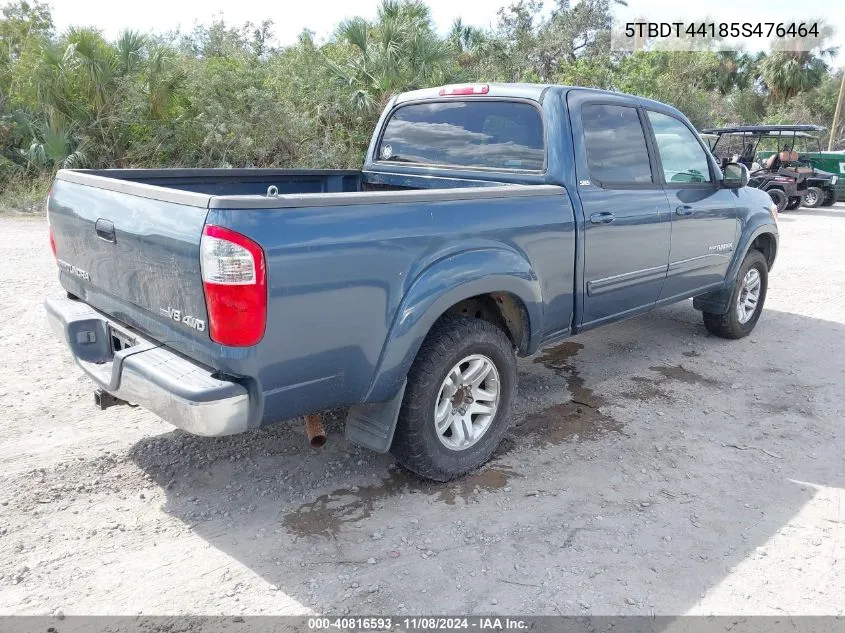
pixel 569 421
pixel 559 356
pixel 326 515
pixel 686 376
pixel 581 417
pixel 559 359
pixel 489 479
pixel 646 389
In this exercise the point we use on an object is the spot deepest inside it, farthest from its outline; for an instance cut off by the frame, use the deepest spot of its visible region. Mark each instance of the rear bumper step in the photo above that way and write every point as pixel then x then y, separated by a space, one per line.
pixel 177 390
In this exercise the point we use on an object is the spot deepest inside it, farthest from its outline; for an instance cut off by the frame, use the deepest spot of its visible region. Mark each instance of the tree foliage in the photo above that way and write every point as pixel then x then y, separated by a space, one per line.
pixel 224 95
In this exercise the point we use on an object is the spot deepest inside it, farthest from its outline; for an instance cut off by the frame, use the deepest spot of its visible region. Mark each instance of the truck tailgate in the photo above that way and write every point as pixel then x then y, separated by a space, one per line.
pixel 134 258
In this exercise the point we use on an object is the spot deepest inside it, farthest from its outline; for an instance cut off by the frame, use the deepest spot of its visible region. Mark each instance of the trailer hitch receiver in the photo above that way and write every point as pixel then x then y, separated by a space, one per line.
pixel 103 400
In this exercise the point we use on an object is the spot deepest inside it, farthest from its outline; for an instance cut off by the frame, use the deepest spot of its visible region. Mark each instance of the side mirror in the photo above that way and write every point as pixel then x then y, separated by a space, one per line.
pixel 735 176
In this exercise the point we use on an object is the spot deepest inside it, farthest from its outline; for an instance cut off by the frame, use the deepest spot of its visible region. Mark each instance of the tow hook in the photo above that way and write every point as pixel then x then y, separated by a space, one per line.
pixel 103 400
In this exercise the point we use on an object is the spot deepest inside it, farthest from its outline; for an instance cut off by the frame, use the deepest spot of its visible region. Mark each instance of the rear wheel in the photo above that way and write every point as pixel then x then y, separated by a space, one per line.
pixel 747 300
pixel 779 198
pixel 794 203
pixel 813 198
pixel 457 403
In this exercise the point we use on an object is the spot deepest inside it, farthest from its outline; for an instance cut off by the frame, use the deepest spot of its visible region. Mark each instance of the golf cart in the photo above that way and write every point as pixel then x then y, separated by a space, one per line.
pixel 777 157
pixel 709 139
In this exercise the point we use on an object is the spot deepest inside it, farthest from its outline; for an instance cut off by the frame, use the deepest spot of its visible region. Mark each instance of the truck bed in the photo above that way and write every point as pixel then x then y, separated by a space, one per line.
pixel 170 185
pixel 339 263
pixel 220 182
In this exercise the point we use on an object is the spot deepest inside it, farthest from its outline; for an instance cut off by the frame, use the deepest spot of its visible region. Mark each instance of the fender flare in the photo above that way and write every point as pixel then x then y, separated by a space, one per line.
pixel 759 229
pixel 718 301
pixel 440 286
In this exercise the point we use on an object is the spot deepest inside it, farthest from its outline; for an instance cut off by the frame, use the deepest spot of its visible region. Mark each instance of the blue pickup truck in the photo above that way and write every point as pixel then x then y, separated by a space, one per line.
pixel 488 221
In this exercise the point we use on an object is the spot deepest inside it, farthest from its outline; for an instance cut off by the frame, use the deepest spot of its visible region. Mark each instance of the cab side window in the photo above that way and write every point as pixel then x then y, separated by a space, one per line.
pixel 615 144
pixel 681 156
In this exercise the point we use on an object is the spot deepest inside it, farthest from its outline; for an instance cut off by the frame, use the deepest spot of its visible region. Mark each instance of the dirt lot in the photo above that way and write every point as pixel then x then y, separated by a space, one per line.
pixel 693 475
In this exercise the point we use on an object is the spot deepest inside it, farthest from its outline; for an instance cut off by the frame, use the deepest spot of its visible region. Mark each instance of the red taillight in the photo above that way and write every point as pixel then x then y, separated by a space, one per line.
pixel 52 242
pixel 464 89
pixel 234 277
pixel 50 226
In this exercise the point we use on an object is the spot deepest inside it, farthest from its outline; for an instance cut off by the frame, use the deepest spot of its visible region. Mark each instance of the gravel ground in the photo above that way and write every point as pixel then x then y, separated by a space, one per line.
pixel 692 475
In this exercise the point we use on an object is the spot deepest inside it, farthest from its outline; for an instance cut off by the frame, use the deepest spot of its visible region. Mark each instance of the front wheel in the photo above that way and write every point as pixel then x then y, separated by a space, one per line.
pixel 829 198
pixel 747 300
pixel 779 198
pixel 813 198
pixel 456 406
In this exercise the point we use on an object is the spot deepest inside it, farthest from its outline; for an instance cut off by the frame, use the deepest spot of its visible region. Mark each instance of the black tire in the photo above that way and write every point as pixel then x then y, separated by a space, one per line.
pixel 813 197
pixel 416 444
pixel 779 198
pixel 830 198
pixel 728 325
pixel 793 203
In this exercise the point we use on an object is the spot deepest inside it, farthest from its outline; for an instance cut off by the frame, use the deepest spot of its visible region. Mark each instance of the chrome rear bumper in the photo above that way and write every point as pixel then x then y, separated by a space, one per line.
pixel 142 372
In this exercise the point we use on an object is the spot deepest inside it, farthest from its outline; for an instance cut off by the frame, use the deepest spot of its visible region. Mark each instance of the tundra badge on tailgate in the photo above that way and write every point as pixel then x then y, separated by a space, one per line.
pixel 73 270
pixel 190 321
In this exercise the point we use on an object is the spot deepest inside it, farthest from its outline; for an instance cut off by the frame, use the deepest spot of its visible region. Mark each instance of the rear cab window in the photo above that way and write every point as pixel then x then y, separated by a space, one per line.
pixel 500 135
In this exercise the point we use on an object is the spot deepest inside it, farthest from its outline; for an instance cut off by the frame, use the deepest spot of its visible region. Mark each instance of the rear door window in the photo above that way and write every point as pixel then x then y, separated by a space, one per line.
pixel 487 134
pixel 615 143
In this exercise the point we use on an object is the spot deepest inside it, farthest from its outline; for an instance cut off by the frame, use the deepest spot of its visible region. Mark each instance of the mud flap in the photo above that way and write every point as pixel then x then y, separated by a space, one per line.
pixel 372 425
pixel 716 302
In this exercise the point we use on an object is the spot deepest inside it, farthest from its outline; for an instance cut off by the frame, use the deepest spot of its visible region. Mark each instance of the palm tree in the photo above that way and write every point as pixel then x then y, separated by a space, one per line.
pixel 399 51
pixel 786 74
pixel 468 41
pixel 129 52
pixel 162 78
pixel 737 71
pixel 88 93
pixel 786 71
pixel 55 147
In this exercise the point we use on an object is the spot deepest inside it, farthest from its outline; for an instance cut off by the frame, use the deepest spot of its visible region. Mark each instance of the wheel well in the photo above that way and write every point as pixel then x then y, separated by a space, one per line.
pixel 765 243
pixel 502 309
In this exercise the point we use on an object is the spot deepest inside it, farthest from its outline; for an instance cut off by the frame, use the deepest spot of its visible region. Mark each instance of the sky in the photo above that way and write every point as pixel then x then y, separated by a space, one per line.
pixel 321 16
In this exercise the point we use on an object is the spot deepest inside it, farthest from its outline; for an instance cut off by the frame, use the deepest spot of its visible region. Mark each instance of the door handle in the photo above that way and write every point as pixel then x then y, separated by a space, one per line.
pixel 602 218
pixel 105 230
pixel 684 209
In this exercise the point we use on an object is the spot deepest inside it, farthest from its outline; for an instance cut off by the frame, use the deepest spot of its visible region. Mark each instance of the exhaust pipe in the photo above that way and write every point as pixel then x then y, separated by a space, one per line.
pixel 315 431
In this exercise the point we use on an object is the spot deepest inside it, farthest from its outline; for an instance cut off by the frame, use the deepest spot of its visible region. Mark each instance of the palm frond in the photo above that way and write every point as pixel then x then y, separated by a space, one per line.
pixel 356 33
pixel 130 49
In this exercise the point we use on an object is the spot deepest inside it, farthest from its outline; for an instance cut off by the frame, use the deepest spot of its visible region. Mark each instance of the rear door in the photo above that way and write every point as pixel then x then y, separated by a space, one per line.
pixel 704 215
pixel 628 225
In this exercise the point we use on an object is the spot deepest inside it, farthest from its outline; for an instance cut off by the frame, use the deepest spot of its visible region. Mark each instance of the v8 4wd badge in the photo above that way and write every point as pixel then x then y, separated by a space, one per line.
pixel 186 319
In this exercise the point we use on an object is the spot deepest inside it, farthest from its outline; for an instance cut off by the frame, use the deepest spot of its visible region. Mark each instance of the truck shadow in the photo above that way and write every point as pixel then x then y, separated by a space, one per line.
pixel 645 463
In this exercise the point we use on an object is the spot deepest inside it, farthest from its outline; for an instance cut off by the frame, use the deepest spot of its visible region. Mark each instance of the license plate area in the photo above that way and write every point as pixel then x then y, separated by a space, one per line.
pixel 120 339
